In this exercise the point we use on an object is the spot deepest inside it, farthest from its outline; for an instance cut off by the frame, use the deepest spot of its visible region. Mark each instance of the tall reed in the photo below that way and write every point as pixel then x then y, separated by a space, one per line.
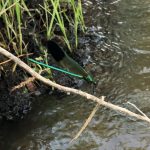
pixel 12 13
pixel 58 15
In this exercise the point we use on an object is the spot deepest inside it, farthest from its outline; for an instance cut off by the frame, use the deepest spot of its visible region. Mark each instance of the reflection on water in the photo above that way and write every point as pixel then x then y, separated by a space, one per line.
pixel 121 67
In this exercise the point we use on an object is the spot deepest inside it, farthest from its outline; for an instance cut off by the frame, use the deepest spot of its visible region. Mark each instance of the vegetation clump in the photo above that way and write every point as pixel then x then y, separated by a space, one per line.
pixel 25 28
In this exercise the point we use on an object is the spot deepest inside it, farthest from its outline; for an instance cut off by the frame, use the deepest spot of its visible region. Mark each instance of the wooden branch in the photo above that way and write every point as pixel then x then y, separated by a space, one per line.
pixel 88 120
pixel 4 62
pixel 23 83
pixel 70 90
pixel 137 109
pixel 86 123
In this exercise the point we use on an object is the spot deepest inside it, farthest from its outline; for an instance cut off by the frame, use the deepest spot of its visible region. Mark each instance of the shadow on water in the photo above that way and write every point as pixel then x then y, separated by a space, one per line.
pixel 118 42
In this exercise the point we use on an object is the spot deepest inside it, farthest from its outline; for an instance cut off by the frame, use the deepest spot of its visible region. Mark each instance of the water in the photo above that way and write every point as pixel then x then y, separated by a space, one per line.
pixel 121 67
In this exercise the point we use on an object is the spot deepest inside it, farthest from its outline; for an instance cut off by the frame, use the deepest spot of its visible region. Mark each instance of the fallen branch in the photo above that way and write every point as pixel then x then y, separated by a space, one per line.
pixel 137 109
pixel 4 62
pixel 70 90
pixel 87 121
pixel 22 84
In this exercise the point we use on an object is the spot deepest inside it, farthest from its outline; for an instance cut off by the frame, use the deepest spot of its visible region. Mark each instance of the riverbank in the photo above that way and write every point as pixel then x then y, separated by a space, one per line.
pixel 25 28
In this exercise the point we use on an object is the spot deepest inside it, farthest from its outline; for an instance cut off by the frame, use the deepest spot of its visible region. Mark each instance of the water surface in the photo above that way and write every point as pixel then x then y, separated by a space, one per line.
pixel 120 52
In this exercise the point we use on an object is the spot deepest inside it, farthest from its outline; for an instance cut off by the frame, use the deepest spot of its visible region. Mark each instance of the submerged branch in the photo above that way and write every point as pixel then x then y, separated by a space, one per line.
pixel 87 121
pixel 71 90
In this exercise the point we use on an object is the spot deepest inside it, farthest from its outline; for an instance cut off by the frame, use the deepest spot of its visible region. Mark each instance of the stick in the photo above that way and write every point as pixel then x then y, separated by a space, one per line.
pixel 87 121
pixel 137 109
pixel 4 62
pixel 70 90
pixel 22 84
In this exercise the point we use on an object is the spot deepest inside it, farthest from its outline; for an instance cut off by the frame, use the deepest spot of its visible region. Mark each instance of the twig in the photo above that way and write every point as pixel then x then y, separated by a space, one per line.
pixel 137 109
pixel 4 62
pixel 22 84
pixel 70 90
pixel 87 121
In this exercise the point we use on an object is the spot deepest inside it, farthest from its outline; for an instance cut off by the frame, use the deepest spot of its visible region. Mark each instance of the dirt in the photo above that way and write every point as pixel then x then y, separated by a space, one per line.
pixel 14 105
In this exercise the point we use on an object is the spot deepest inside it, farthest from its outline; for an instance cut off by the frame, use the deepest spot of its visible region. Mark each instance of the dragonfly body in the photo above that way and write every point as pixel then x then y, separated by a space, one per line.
pixel 66 61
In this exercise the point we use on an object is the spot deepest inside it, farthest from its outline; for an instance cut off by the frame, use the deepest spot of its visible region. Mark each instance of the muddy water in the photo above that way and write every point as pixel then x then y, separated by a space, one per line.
pixel 120 55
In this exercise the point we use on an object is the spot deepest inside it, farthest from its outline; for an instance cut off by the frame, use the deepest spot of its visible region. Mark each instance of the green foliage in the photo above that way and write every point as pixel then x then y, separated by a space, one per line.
pixel 17 16
pixel 59 16
pixel 78 18
pixel 11 13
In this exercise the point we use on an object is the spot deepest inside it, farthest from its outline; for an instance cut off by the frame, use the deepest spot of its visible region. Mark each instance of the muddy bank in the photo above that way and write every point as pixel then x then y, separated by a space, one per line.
pixel 12 105
pixel 15 105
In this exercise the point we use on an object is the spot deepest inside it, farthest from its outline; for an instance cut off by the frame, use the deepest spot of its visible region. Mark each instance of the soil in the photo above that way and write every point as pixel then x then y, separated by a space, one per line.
pixel 14 105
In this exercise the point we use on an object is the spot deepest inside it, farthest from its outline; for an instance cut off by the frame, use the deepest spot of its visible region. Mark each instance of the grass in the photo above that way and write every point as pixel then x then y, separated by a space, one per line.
pixel 59 17
pixel 3 8
pixel 60 20
pixel 21 21
pixel 13 11
pixel 19 15
pixel 78 18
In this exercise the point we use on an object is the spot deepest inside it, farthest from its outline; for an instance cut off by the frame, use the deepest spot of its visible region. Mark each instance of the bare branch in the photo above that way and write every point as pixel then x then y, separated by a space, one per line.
pixel 87 121
pixel 70 90
pixel 22 84
pixel 137 109
pixel 4 62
